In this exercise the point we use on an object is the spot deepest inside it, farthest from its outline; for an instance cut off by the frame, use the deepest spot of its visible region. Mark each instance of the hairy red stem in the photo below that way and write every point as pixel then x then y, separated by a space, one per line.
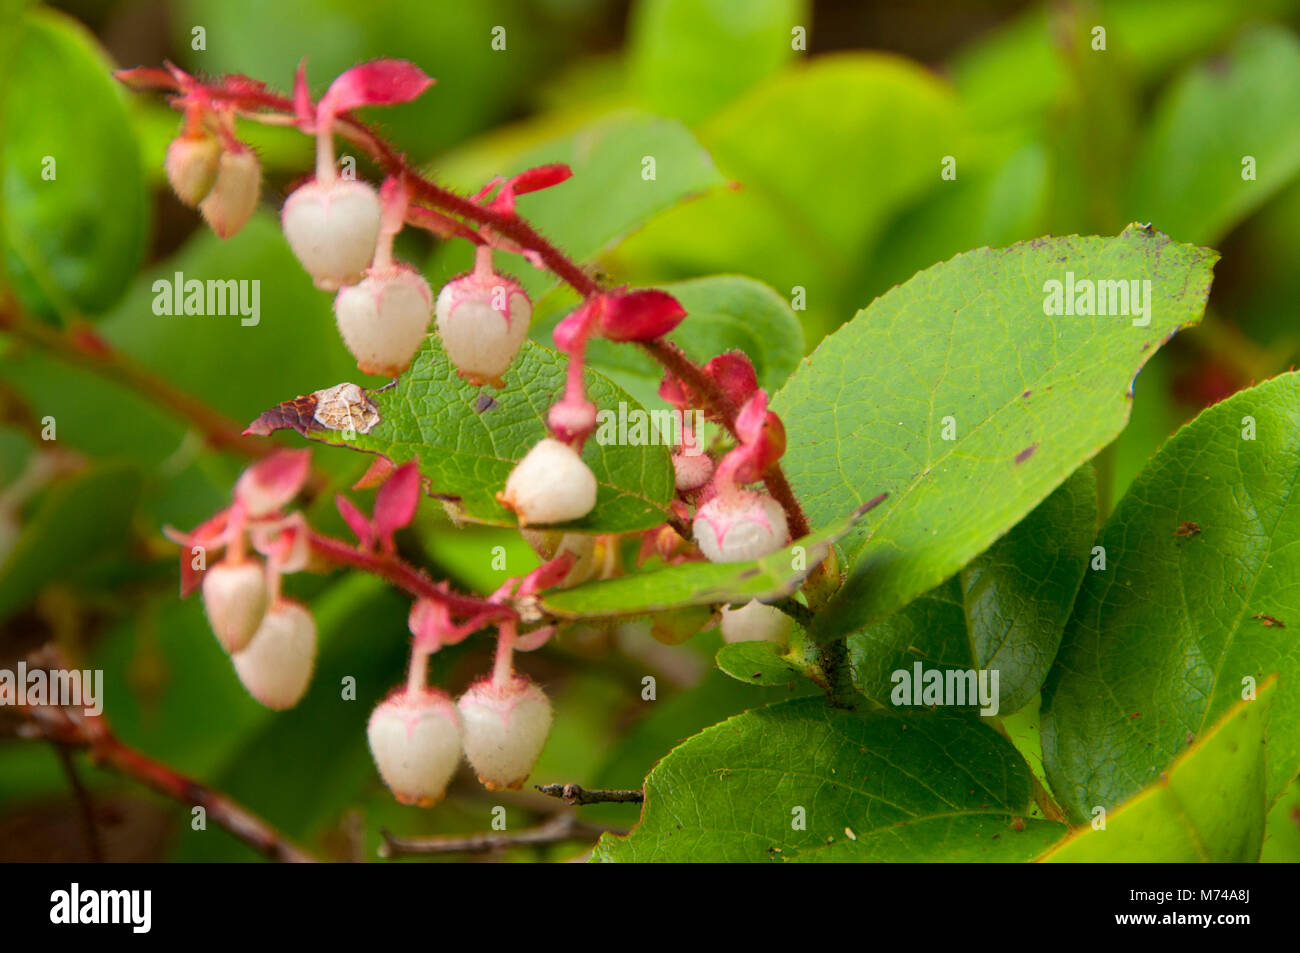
pixel 407 577
pixel 512 227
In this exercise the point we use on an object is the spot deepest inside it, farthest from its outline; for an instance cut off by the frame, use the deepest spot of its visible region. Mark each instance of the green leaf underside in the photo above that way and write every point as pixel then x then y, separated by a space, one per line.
pixel 1209 806
pixel 700 583
pixel 1032 397
pixel 1201 591
pixel 466 453
pixel 1004 612
pixel 731 792
pixel 758 663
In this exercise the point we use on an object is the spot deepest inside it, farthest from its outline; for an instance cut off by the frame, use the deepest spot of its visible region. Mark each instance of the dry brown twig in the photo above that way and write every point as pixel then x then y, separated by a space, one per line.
pixel 556 829
pixel 71 730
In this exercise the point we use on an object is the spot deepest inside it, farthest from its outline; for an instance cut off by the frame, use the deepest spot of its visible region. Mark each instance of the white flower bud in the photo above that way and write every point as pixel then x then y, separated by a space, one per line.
pixel 550 484
pixel 692 470
pixel 233 197
pixel 192 165
pixel 332 228
pixel 482 321
pixel 383 319
pixel 415 741
pixel 504 730
pixel 745 526
pixel 235 597
pixel 277 664
pixel 755 622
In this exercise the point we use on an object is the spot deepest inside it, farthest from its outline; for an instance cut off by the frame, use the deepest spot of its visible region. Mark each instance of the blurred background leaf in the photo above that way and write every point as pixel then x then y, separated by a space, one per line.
pixel 73 208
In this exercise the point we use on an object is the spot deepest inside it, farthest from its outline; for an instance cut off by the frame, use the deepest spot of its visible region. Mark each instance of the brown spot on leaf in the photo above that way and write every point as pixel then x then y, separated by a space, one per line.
pixel 1026 453
pixel 1187 528
pixel 484 403
pixel 342 407
pixel 299 413
pixel 346 407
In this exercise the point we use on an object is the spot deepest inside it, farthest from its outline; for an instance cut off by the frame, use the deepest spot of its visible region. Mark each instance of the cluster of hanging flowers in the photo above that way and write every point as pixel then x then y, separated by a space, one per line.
pixel 342 231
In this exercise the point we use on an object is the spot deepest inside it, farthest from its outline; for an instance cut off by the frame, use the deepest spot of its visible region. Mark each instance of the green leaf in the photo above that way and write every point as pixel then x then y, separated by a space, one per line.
pixel 759 663
pixel 468 439
pixel 725 313
pixel 613 190
pixel 806 217
pixel 688 58
pixel 1019 70
pixel 966 345
pixel 80 522
pixel 671 717
pixel 1190 814
pixel 872 787
pixel 1202 574
pixel 1004 612
pixel 701 583
pixel 1241 105
pixel 74 204
pixel 993 202
pixel 1282 829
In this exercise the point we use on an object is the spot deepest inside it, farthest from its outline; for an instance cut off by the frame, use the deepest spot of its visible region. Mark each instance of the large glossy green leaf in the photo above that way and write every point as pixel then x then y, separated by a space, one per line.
pixel 73 210
pixel 1201 592
pixel 467 439
pixel 871 787
pixel 690 57
pixel 701 583
pixel 965 348
pixel 1003 612
pixel 1190 814
pixel 1244 103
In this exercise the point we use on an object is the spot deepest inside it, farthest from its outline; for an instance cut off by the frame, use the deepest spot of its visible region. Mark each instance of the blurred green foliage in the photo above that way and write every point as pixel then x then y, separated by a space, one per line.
pixel 816 173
